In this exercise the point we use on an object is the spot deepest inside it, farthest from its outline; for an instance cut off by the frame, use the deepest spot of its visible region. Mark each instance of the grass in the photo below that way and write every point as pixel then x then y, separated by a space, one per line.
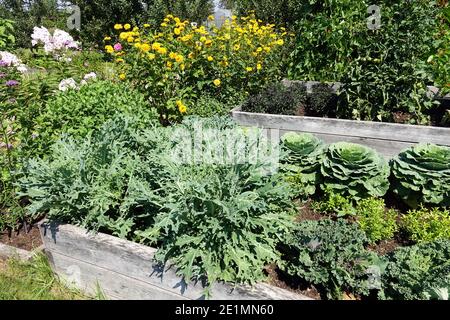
pixel 35 280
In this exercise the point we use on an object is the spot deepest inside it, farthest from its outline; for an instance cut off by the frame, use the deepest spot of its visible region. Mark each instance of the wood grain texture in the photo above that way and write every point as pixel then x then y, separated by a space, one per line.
pixel 387 138
pixel 126 270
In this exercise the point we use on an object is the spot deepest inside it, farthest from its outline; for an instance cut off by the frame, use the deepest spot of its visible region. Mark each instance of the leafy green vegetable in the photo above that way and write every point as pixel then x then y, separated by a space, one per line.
pixel 355 171
pixel 301 167
pixel 331 255
pixel 421 174
pixel 413 272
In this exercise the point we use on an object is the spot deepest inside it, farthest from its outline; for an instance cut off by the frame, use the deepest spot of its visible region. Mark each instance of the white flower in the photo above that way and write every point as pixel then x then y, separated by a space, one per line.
pixel 60 40
pixel 67 84
pixel 11 60
pixel 89 76
pixel 40 35
pixel 22 68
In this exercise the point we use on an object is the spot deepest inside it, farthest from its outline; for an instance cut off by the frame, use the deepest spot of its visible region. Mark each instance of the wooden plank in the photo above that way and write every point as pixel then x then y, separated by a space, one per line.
pixel 87 276
pixel 135 262
pixel 349 128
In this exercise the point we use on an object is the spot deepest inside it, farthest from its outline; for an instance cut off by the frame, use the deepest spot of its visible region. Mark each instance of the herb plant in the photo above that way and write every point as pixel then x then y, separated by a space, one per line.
pixel 424 225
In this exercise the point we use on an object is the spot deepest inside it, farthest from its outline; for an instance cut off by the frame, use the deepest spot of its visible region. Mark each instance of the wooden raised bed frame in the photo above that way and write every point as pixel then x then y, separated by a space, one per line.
pixel 125 270
pixel 387 138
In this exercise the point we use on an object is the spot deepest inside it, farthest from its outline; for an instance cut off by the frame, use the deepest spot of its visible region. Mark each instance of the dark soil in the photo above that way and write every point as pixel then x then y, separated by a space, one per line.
pixel 401 117
pixel 282 280
pixel 21 239
pixel 308 213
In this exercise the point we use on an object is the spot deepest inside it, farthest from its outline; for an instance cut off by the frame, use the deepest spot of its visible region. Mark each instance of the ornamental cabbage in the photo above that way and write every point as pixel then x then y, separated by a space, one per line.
pixel 304 154
pixel 355 171
pixel 421 174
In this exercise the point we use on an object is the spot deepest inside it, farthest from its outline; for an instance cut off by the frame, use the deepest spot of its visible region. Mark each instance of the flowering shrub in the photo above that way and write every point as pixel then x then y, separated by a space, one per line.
pixel 59 41
pixel 176 63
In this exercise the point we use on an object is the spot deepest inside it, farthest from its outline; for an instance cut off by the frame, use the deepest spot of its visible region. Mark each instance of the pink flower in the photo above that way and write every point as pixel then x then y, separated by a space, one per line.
pixel 117 47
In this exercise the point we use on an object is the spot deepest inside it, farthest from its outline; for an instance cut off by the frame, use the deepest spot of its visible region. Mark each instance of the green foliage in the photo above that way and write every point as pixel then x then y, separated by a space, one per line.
pixel 421 174
pixel 6 33
pixel 383 71
pixel 322 102
pixel 77 112
pixel 99 17
pixel 27 14
pixel 209 106
pixel 330 255
pixel 355 171
pixel 375 220
pixel 213 221
pixel 301 167
pixel 425 225
pixel 278 99
pixel 413 272
pixel 333 203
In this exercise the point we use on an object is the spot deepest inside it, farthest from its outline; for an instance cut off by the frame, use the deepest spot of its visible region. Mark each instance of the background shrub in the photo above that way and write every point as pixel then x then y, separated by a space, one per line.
pixel 330 255
pixel 413 272
pixel 424 225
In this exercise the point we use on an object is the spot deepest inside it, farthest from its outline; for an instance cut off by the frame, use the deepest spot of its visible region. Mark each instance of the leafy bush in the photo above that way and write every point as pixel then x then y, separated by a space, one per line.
pixel 383 71
pixel 6 33
pixel 213 221
pixel 421 174
pixel 375 220
pixel 182 61
pixel 304 154
pixel 413 272
pixel 323 101
pixel 77 112
pixel 209 106
pixel 278 99
pixel 355 171
pixel 330 255
pixel 425 225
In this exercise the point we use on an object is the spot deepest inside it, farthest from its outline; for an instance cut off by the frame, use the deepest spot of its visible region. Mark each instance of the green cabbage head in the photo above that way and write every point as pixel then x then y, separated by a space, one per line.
pixel 421 175
pixel 355 171
pixel 303 156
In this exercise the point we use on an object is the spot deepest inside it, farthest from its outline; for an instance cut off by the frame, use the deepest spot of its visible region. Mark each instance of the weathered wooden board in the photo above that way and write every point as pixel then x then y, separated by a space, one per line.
pixel 387 138
pixel 126 270
pixel 7 252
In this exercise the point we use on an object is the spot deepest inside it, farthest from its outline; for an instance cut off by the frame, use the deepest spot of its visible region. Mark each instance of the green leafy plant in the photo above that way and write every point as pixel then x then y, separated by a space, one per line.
pixel 355 171
pixel 375 220
pixel 426 225
pixel 208 106
pixel 333 203
pixel 413 272
pixel 6 33
pixel 421 174
pixel 330 255
pixel 77 112
pixel 278 99
pixel 301 167
pixel 323 101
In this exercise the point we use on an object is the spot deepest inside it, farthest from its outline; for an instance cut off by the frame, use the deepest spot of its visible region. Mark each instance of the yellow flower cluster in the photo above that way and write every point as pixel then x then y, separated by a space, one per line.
pixel 237 54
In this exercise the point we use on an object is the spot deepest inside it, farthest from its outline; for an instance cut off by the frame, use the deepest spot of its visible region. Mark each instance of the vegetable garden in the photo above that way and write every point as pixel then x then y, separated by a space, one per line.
pixel 124 129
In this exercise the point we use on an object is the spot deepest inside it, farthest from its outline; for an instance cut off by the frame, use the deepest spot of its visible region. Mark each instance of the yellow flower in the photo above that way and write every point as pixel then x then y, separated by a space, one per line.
pixel 237 47
pixel 280 42
pixel 210 58
pixel 122 76
pixel 179 58
pixel 177 31
pixel 135 29
pixel 118 27
pixel 124 35
pixel 137 45
pixel 249 69
pixel 145 47
pixel 182 67
pixel 172 55
pixel 259 49
pixel 163 24
pixel 169 65
pixel 151 56
pixel 119 60
pixel 208 42
pixel 259 66
pixel 130 39
pixel 146 25
pixel 127 26
pixel 211 18
pixel 156 46
pixel 203 39
pixel 217 82
pixel 109 49
pixel 162 51
pixel 181 107
pixel 107 38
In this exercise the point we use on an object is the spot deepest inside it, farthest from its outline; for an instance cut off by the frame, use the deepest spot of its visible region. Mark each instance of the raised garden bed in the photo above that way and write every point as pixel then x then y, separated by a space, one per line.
pixel 387 138
pixel 126 270
pixel 20 244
